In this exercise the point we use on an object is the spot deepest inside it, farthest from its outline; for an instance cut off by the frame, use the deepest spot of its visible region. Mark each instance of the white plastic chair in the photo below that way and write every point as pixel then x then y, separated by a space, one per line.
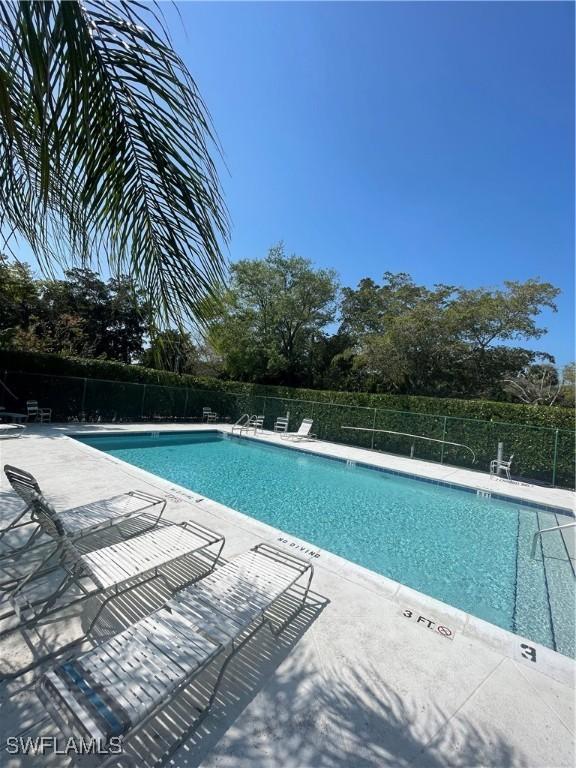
pixel 34 411
pixel 496 466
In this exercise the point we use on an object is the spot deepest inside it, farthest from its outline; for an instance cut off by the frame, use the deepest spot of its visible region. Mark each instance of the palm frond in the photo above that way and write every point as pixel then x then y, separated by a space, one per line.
pixel 105 145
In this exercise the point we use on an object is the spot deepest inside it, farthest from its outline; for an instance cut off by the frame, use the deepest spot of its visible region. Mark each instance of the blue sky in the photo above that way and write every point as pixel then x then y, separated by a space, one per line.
pixel 431 138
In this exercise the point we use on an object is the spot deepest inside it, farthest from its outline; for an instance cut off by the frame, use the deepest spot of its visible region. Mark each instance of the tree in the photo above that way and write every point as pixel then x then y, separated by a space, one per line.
pixel 274 312
pixel 172 350
pixel 482 315
pixel 18 298
pixel 78 315
pixel 105 148
pixel 536 385
pixel 442 341
pixel 568 388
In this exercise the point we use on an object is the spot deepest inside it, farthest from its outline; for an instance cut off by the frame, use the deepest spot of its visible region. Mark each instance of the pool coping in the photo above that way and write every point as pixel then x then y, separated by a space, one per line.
pixel 517 647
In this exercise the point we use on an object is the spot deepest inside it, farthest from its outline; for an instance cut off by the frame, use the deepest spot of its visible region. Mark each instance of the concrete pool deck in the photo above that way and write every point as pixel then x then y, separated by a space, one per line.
pixel 358 681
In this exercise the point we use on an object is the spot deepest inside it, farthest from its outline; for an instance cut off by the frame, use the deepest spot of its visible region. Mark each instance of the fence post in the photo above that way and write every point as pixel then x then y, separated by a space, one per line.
pixel 83 404
pixel 443 438
pixel 142 403
pixel 186 404
pixel 555 459
pixel 373 428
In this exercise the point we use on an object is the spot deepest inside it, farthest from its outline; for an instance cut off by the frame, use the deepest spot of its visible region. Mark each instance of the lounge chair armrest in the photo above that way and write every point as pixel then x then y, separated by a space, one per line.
pixel 150 497
pixel 281 555
pixel 200 530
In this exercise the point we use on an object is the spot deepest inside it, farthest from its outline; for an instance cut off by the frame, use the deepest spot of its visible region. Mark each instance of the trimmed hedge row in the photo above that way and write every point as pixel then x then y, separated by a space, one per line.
pixel 544 448
pixel 486 410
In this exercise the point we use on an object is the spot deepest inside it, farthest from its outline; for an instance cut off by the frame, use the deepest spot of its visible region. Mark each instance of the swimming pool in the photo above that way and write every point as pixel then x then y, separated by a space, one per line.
pixel 471 552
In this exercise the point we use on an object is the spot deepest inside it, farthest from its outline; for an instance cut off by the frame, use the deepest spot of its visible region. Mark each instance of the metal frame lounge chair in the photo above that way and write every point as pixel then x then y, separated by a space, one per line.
pixel 11 431
pixel 114 689
pixel 303 432
pixel 496 465
pixel 78 522
pixel 115 569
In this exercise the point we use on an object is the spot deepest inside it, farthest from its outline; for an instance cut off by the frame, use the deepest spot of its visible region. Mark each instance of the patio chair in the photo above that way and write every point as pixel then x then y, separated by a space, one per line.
pixel 303 432
pixel 114 689
pixel 115 569
pixel 281 424
pixel 38 414
pixel 78 522
pixel 497 465
pixel 209 416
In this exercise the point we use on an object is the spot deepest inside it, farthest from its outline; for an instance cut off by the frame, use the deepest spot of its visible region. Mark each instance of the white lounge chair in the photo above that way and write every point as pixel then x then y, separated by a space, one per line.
pixel 79 522
pixel 8 431
pixel 114 689
pixel 303 432
pixel 115 569
pixel 497 466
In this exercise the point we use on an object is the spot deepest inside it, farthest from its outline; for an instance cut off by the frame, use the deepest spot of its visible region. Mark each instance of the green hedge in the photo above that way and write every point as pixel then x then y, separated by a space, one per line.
pixel 104 390
pixel 486 410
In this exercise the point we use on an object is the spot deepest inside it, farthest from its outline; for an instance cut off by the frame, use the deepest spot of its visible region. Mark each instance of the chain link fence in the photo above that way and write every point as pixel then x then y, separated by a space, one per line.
pixel 541 454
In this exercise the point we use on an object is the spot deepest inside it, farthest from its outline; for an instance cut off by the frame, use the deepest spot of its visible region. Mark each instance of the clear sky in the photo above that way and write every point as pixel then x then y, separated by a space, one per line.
pixel 431 138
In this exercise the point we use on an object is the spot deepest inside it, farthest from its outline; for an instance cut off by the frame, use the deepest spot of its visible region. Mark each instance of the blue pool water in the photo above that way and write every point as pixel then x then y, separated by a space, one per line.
pixel 468 551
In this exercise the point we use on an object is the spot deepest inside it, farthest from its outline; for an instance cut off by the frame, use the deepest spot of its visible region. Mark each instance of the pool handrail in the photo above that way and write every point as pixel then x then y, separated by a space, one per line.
pixel 547 530
pixel 419 437
pixel 242 421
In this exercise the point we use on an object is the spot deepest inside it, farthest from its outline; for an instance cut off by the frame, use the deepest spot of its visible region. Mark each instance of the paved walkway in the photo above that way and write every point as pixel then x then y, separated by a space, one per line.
pixel 358 681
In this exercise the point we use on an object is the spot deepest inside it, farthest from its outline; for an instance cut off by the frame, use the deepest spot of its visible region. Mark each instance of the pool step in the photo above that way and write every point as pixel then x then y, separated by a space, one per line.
pixel 561 584
pixel 532 610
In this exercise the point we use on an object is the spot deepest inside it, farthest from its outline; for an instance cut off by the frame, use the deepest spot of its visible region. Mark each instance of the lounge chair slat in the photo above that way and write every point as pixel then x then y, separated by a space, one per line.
pixel 203 618
pixel 186 653
pixel 143 665
pixel 103 513
pixel 132 672
pixel 73 705
pixel 119 562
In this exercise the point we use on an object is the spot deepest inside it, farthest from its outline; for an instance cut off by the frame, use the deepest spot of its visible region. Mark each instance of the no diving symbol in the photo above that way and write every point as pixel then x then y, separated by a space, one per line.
pixel 431 624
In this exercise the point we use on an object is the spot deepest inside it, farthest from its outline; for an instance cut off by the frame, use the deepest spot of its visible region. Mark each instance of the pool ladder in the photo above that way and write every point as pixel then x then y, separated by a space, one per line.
pixel 241 422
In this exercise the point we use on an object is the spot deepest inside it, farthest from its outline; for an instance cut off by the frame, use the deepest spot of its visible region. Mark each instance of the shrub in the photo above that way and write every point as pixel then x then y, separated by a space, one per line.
pixel 114 390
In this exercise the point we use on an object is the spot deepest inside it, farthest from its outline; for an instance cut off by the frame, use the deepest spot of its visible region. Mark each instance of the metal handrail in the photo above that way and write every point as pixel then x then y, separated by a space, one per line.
pixel 545 530
pixel 244 419
pixel 418 437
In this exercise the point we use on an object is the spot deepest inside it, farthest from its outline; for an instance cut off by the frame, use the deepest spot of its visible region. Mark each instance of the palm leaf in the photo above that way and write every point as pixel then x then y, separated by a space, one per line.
pixel 105 147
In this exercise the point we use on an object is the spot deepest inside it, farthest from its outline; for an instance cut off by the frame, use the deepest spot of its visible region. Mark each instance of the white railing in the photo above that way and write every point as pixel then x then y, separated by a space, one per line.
pixel 546 530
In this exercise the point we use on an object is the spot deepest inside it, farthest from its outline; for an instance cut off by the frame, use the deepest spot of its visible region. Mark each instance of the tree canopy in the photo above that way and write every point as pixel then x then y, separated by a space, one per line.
pixel 105 149
pixel 274 311
pixel 445 339
pixel 281 321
